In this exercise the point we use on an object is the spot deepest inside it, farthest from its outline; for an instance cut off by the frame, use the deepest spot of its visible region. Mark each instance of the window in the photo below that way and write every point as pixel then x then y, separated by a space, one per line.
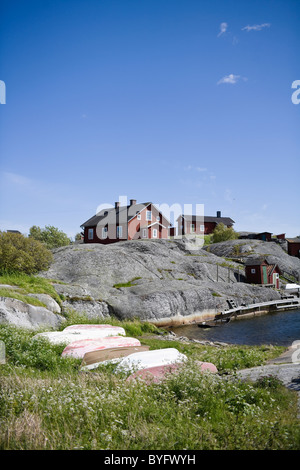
pixel 192 228
pixel 157 218
pixel 253 271
pixel 90 234
pixel 139 217
pixel 104 232
pixel 201 228
pixel 149 215
pixel 119 231
pixel 154 233
pixel 144 233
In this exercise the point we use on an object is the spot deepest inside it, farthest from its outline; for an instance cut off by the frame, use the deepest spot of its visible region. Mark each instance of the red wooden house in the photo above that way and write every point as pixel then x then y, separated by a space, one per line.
pixel 132 222
pixel 294 246
pixel 201 225
pixel 259 271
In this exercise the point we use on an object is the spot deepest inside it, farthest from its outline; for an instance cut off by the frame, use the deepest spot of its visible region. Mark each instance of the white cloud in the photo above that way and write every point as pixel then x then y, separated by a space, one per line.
pixel 231 78
pixel 256 27
pixel 223 28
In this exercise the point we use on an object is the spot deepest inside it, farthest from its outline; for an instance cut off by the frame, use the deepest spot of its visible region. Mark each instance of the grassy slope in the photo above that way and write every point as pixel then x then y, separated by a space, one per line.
pixel 47 403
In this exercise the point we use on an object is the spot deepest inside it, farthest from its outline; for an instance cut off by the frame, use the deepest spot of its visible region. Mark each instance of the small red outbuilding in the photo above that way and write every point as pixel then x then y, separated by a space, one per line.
pixel 259 271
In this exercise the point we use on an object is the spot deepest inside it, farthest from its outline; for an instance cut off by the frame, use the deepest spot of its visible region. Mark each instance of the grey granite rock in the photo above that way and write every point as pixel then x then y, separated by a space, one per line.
pixel 25 315
pixel 162 281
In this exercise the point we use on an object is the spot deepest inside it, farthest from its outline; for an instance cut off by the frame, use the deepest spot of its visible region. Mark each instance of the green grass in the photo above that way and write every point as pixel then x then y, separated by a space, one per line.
pixel 46 402
pixel 31 284
pixel 126 284
pixel 20 295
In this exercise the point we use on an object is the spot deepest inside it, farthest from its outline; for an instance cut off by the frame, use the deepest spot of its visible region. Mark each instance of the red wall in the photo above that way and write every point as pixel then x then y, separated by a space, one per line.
pixel 134 229
pixel 293 249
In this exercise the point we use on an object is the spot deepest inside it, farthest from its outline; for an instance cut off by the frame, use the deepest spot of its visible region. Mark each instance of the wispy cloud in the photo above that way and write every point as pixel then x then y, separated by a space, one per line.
pixel 256 27
pixel 223 28
pixel 197 168
pixel 231 79
pixel 17 180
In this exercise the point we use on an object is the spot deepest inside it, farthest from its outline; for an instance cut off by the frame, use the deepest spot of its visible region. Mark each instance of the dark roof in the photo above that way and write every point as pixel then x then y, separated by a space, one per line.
pixel 112 215
pixel 255 261
pixel 293 240
pixel 207 218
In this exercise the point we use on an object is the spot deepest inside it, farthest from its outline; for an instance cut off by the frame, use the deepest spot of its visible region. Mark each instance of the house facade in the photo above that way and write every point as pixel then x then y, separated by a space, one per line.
pixel 201 225
pixel 132 222
pixel 259 271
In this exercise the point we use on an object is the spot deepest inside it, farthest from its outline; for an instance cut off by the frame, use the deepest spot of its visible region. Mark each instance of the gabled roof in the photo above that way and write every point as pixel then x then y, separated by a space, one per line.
pixel 207 218
pixel 116 215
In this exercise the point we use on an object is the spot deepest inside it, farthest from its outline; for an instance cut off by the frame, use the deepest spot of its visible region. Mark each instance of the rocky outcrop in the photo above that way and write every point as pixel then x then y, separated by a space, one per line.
pixel 164 281
pixel 27 316
pixel 247 249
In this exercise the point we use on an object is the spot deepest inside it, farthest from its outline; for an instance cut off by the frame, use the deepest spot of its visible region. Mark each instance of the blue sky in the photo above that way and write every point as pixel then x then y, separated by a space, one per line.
pixel 174 102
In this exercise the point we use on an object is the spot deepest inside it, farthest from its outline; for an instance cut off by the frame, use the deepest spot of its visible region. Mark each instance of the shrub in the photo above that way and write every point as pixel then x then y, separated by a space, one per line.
pixel 22 254
pixel 222 233
pixel 51 236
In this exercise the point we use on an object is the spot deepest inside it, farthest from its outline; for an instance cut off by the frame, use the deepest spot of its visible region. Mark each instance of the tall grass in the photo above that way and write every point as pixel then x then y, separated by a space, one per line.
pixel 46 402
pixel 30 284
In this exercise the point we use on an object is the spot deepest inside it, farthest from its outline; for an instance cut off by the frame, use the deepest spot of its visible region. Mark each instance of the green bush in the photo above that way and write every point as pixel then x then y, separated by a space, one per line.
pixel 51 236
pixel 22 254
pixel 222 233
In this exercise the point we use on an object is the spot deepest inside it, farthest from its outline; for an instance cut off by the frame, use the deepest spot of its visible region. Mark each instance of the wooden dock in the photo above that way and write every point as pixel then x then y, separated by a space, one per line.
pixel 262 307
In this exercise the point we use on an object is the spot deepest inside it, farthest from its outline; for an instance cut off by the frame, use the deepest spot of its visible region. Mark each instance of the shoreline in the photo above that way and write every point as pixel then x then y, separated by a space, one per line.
pixel 237 313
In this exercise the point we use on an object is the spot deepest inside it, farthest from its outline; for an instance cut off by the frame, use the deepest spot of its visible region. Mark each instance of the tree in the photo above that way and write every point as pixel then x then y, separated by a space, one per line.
pixel 222 233
pixel 51 236
pixel 23 254
pixel 78 236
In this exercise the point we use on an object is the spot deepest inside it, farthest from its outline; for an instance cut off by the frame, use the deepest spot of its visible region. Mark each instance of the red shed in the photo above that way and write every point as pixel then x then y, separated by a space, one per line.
pixel 294 246
pixel 259 271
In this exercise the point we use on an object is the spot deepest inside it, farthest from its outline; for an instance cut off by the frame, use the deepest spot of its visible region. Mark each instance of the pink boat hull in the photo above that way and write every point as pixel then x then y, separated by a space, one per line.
pixel 159 373
pixel 79 348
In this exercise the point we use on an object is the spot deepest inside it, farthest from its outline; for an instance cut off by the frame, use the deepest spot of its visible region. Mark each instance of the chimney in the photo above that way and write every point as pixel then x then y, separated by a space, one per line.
pixel 218 214
pixel 132 202
pixel 117 204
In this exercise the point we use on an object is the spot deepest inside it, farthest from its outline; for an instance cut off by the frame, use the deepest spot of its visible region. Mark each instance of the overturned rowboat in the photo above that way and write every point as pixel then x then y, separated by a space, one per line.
pixel 93 359
pixel 79 348
pixel 158 373
pixel 69 336
pixel 144 360
pixel 87 326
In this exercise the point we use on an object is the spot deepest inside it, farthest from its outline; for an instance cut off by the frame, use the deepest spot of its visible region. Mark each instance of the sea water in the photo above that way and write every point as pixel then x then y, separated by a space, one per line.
pixel 278 328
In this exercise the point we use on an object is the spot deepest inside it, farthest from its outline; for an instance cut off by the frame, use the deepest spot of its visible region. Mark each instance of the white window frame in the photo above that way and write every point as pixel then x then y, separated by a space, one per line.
pixel 192 228
pixel 139 217
pixel 104 232
pixel 253 270
pixel 90 234
pixel 147 216
pixel 144 233
pixel 154 233
pixel 157 218
pixel 119 231
pixel 202 228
